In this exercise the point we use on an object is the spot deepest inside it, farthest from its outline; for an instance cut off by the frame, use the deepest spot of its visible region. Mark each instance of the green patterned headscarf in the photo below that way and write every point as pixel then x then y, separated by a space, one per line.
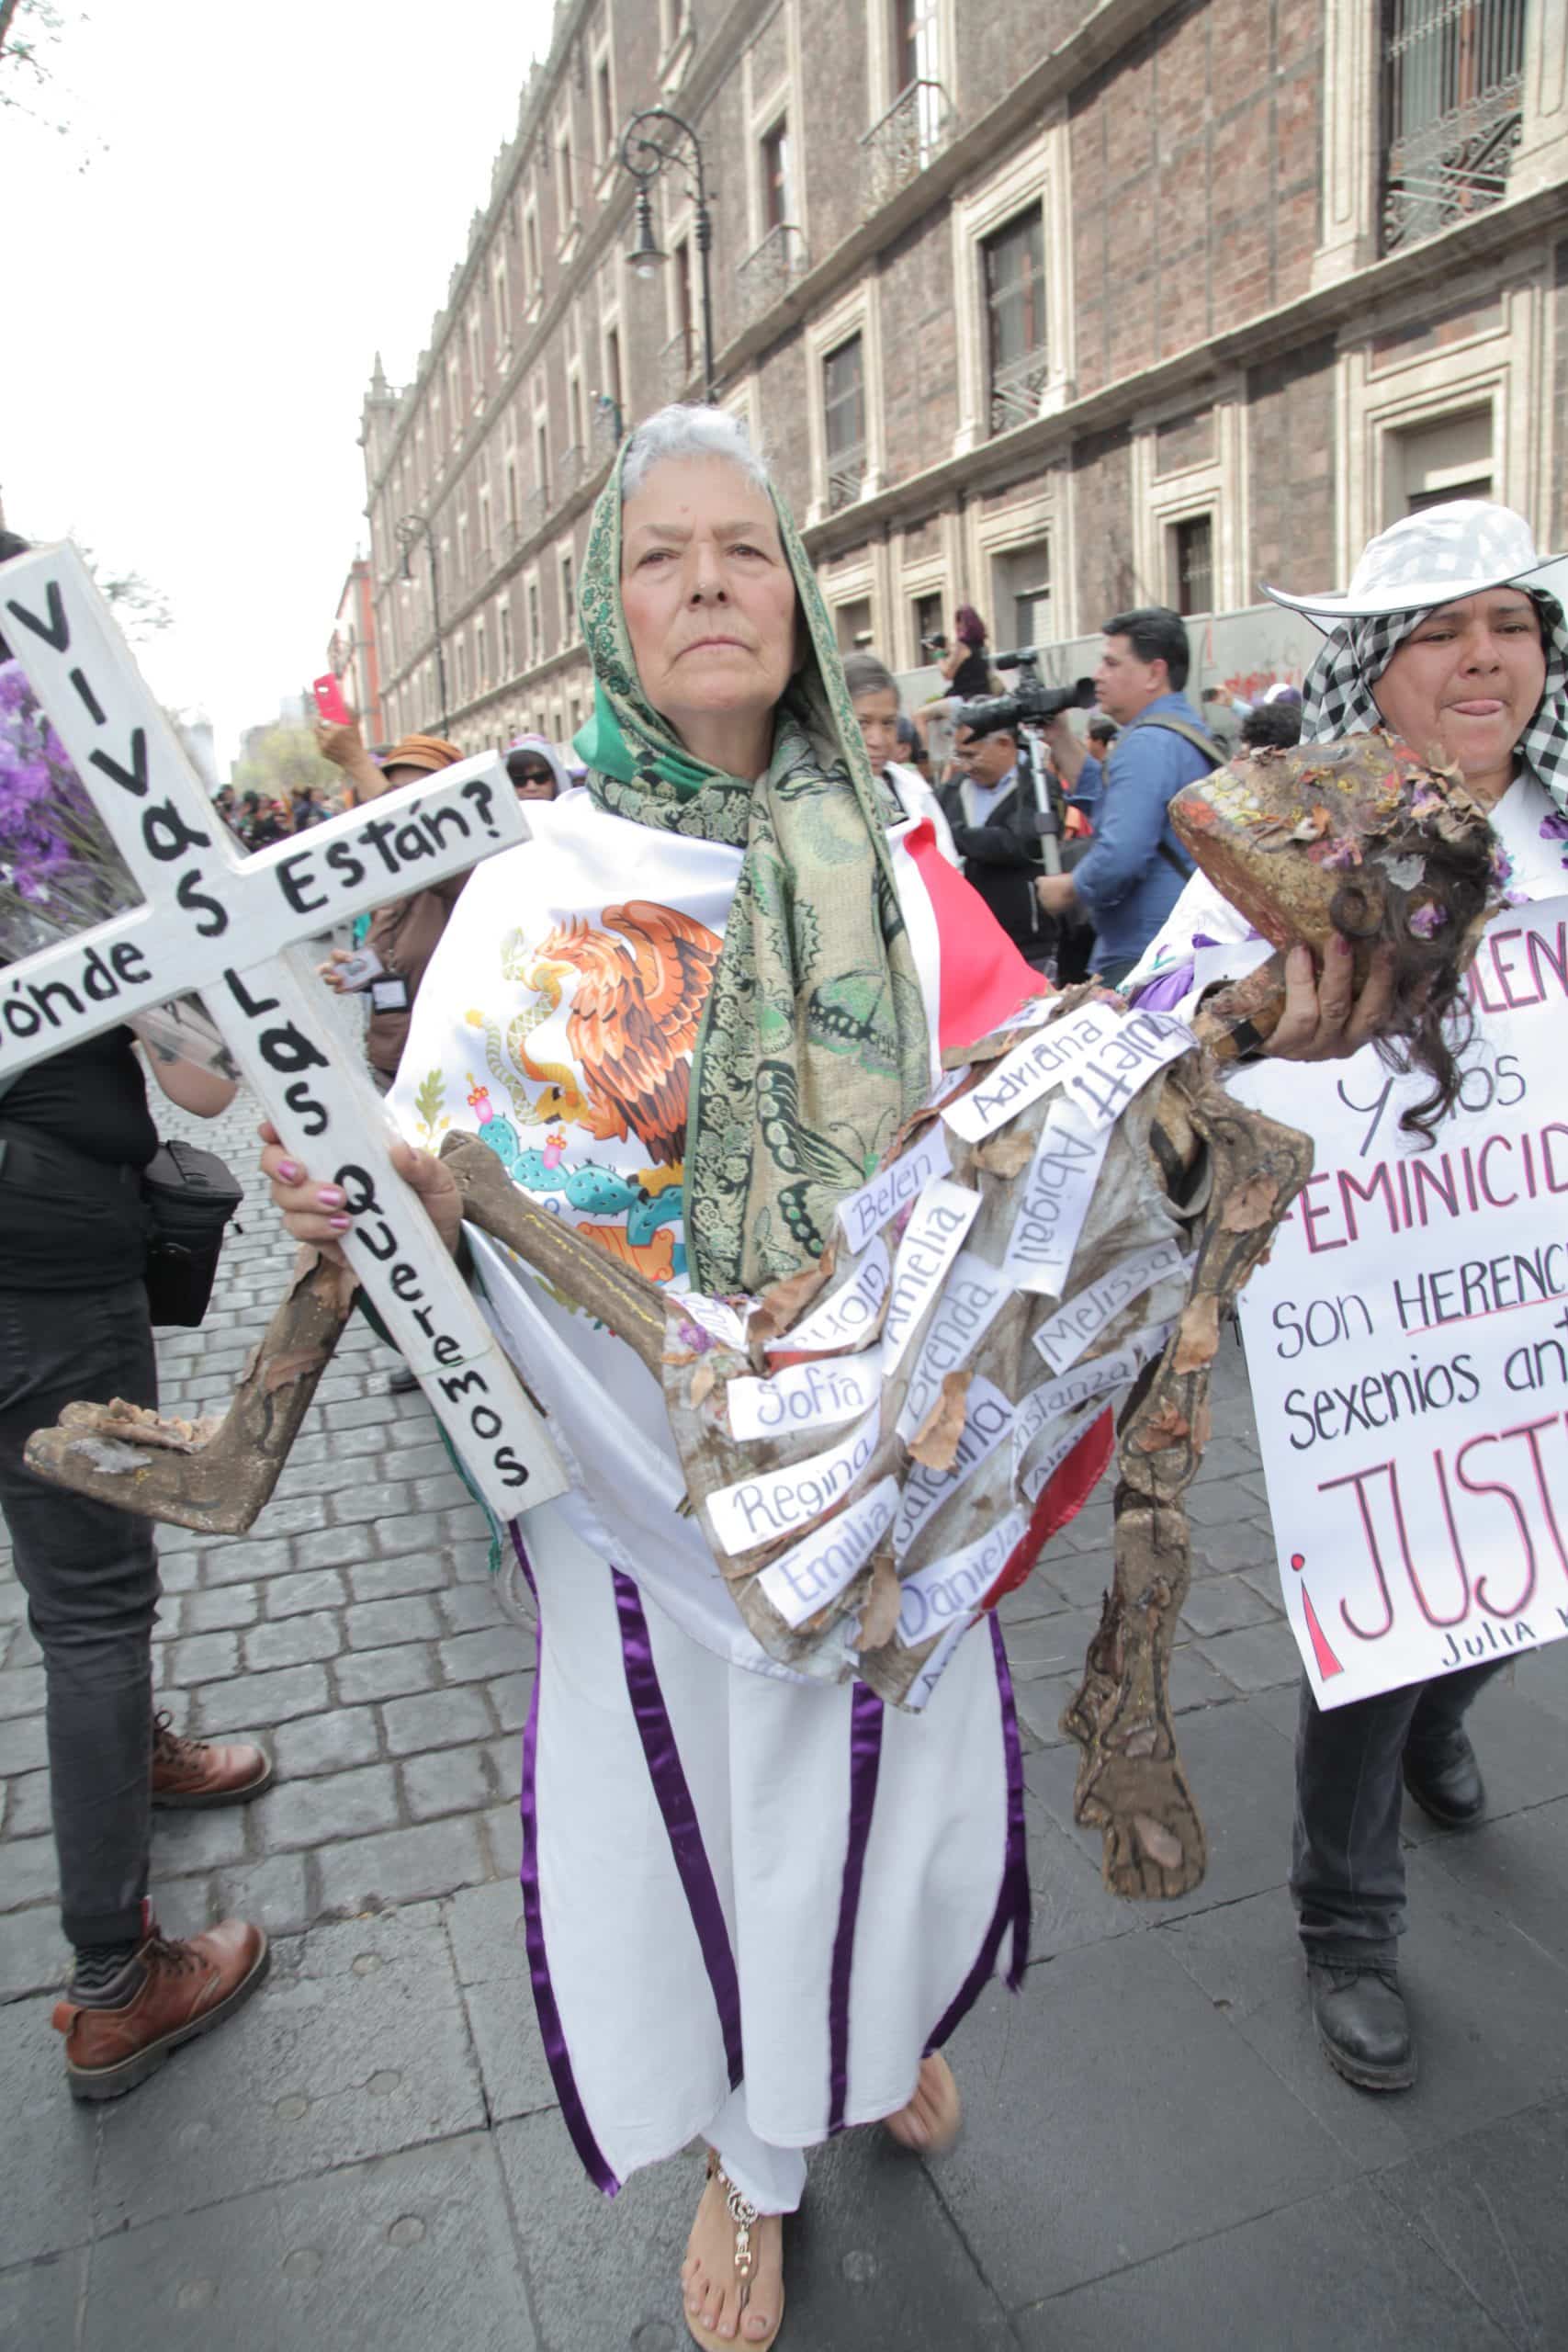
pixel 813 1046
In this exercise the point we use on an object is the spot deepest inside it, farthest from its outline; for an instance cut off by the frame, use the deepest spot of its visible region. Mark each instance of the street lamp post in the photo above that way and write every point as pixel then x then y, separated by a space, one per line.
pixel 651 142
pixel 412 527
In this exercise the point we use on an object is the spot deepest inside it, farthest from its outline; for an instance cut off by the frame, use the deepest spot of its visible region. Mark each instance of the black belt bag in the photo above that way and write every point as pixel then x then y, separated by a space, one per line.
pixel 191 1194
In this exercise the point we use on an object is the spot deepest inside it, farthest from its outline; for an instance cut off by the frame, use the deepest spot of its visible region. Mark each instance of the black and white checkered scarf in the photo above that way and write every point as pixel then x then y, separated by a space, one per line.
pixel 1337 697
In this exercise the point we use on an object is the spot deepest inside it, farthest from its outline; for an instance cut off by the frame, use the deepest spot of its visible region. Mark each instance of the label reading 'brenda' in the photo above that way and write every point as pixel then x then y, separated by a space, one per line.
pixel 1063 1341
pixel 770 1503
pixel 816 1571
pixel 892 1188
pixel 972 1297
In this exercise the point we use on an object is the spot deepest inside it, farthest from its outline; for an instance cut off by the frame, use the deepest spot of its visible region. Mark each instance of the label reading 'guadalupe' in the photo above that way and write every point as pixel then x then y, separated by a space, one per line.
pixel 986 1422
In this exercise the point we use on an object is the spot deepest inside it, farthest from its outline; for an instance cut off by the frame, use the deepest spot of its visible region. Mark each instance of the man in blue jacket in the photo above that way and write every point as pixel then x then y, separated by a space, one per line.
pixel 1135 868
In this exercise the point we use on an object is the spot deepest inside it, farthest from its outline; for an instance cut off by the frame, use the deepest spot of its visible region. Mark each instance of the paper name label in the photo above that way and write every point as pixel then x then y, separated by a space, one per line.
pixel 848 1317
pixel 1101 1376
pixel 1039 1473
pixel 1063 1338
pixel 1042 1061
pixel 758 1510
pixel 932 1240
pixel 806 1396
pixel 893 1188
pixel 1103 1084
pixel 935 1597
pixel 816 1571
pixel 972 1296
pixel 1056 1196
pixel 721 1321
pixel 986 1422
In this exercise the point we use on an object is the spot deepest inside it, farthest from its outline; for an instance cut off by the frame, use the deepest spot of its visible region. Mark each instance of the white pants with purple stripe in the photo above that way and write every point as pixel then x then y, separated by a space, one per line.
pixel 750 1904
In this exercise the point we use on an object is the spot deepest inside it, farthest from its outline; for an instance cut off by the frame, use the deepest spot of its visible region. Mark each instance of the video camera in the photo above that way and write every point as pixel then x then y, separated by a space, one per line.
pixel 1030 704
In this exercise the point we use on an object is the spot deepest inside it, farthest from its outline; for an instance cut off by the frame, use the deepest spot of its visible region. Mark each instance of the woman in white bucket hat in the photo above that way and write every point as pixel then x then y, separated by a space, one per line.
pixel 1448 637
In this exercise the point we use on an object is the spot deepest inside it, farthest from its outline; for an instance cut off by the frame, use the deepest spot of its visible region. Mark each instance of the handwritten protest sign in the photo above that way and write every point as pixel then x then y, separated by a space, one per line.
pixel 1408 1344
pixel 230 926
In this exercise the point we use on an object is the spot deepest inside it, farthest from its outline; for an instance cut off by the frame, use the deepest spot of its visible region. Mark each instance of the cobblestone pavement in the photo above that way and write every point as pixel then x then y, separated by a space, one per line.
pixel 1154 2148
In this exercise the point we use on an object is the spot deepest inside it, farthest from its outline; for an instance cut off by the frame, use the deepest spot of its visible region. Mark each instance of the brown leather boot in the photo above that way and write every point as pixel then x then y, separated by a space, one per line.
pixel 196 1772
pixel 172 1993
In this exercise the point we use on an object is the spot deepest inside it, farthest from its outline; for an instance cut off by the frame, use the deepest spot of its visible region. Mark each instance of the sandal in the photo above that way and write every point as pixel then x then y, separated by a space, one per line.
pixel 744 2216
pixel 936 2079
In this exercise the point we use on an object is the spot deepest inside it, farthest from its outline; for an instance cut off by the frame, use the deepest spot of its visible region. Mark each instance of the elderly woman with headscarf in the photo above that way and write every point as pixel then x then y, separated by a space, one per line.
pixel 1447 638
pixel 690 1015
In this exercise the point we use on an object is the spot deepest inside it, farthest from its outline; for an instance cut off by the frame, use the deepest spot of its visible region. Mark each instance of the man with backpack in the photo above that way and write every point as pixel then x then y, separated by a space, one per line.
pixel 1136 869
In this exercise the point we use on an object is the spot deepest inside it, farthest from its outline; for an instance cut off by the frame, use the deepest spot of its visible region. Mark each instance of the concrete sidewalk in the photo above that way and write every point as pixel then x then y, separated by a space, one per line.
pixel 1155 2153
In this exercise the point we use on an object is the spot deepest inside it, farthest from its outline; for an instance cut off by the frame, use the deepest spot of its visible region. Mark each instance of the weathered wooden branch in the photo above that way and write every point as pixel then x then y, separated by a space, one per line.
pixel 214 1480
pixel 1131 1784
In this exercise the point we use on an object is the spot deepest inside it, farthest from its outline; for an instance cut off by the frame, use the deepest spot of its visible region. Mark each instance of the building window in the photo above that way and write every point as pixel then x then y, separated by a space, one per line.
pixel 461 650
pixel 508 651
pixel 454 397
pixel 536 633
pixel 481 656
pixel 542 462
pixel 1014 281
pixel 852 624
pixel 612 366
pixel 484 519
pixel 1191 545
pixel 1425 465
pixel 463 547
pixel 1452 102
pixel 778 195
pixel 512 492
pixel 568 601
pixel 531 254
pixel 1021 593
pixel 844 412
pixel 476 356
pixel 502 308
pixel 604 105
pixel 927 613
pixel 568 185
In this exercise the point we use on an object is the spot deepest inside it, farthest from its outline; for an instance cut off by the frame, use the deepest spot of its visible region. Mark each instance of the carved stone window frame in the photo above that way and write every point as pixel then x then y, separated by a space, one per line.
pixel 1216 486
pixel 856 312
pixel 1038 172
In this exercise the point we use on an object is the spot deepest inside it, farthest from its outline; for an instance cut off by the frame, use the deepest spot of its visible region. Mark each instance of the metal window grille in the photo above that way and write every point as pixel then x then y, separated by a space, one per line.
pixel 1452 83
pixel 1193 548
pixel 1014 264
pixel 843 407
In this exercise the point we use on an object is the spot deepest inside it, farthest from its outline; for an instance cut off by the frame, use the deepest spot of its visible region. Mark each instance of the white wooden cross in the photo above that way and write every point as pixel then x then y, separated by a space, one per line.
pixel 230 927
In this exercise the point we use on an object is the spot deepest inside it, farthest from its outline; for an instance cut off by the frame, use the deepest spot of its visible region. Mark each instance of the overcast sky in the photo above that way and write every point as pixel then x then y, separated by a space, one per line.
pixel 244 205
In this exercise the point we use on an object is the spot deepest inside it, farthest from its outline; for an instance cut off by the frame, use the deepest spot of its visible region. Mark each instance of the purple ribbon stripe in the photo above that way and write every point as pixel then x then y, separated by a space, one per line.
pixel 867 1716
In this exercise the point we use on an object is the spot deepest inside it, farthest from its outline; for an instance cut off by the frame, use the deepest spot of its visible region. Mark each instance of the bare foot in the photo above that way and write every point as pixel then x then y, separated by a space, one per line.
pixel 929 2123
pixel 711 2286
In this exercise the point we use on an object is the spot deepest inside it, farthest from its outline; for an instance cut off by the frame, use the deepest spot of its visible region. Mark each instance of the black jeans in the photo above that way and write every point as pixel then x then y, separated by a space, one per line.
pixel 1346 1866
pixel 90 1573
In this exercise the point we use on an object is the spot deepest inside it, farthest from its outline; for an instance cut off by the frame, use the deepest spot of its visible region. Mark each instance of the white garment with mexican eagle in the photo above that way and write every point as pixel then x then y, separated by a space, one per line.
pixel 751 1899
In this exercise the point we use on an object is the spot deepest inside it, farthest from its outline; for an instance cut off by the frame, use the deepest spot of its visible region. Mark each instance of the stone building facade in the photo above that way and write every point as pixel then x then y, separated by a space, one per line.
pixel 1053 306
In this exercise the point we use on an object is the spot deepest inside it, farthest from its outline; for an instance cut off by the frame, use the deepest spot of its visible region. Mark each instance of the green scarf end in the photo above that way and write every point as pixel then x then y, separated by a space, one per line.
pixel 600 744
